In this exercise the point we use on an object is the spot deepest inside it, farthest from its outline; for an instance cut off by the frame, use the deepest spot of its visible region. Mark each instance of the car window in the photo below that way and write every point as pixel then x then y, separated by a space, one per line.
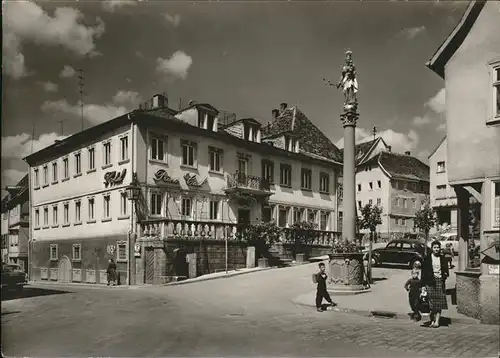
pixel 406 245
pixel 391 245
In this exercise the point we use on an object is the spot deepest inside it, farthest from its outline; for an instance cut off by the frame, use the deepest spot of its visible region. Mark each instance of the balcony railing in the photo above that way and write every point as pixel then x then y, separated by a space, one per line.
pixel 242 180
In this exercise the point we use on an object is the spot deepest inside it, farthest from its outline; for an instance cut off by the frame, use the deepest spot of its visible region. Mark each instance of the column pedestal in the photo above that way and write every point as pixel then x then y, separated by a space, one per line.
pixel 345 276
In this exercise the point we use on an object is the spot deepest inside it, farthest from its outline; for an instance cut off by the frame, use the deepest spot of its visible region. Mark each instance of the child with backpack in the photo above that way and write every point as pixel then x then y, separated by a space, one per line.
pixel 321 291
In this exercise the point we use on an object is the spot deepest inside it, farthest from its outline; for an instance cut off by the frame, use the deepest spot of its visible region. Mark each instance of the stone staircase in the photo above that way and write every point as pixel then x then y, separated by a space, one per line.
pixel 279 257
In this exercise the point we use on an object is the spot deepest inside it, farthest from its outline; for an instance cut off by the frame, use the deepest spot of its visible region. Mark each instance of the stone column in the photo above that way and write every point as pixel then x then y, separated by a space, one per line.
pixel 349 200
pixel 463 227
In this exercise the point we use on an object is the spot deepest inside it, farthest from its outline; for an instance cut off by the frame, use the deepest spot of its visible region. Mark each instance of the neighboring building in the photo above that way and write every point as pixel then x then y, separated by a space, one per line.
pixel 469 63
pixel 199 180
pixel 443 197
pixel 398 183
pixel 15 224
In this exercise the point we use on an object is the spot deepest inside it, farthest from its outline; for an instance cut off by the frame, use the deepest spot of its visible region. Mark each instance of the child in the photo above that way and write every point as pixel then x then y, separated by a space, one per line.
pixel 448 254
pixel 413 286
pixel 321 292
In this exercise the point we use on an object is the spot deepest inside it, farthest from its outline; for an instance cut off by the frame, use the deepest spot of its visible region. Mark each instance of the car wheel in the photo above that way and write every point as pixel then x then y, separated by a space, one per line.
pixel 375 261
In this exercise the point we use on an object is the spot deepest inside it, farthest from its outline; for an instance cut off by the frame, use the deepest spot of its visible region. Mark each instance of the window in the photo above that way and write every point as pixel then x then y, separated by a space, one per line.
pixel 339 221
pixel 496 205
pixel 124 148
pixel 323 222
pixel 379 184
pixel 414 203
pixel 54 255
pixel 66 213
pixel 121 251
pixel 286 175
pixel 188 153
pixel 441 191
pixel 54 172
pixel 440 167
pixel 155 202
pixel 214 210
pixel 78 163
pixel 107 206
pixel 186 207
pixel 370 201
pixel 78 211
pixel 405 203
pixel 360 205
pixel 66 168
pixel 77 253
pixel 243 167
pixel 37 217
pixel 268 170
pixel 324 183
pixel 123 204
pixel 379 201
pixel 403 222
pixel 283 217
pixel 36 178
pixel 55 215
pixel 91 158
pixel 157 149
pixel 267 214
pixel 45 217
pixel 495 80
pixel 397 202
pixel 371 185
pixel 305 179
pixel 297 215
pixel 311 216
pixel 107 153
pixel 91 209
pixel 359 187
pixel 45 175
pixel 215 155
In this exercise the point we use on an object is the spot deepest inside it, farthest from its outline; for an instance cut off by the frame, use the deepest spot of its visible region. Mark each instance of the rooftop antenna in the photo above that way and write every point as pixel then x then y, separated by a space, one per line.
pixel 62 126
pixel 374 132
pixel 32 135
pixel 80 86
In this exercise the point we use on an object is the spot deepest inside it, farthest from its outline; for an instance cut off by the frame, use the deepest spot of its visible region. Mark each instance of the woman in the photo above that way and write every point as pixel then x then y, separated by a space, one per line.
pixel 434 274
pixel 112 272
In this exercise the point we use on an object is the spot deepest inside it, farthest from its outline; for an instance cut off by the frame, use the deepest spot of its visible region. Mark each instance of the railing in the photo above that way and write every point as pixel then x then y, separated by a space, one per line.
pixel 317 237
pixel 242 180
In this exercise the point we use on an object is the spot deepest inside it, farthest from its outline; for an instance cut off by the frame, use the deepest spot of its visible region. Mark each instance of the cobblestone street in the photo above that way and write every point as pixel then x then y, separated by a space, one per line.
pixel 249 315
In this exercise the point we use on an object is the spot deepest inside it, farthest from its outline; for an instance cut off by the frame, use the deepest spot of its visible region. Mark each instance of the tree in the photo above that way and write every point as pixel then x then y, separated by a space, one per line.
pixel 301 235
pixel 262 236
pixel 370 218
pixel 425 219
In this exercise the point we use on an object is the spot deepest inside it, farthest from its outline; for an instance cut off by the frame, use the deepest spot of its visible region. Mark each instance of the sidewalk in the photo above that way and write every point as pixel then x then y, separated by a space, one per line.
pixel 217 275
pixel 387 298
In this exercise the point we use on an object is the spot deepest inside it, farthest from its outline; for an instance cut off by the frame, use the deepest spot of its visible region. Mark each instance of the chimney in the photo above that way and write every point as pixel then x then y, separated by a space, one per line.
pixel 283 106
pixel 389 148
pixel 407 152
pixel 159 101
pixel 276 113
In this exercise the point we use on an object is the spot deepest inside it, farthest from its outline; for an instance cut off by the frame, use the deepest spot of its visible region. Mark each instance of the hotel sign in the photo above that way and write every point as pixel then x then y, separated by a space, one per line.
pixel 191 180
pixel 162 176
pixel 114 177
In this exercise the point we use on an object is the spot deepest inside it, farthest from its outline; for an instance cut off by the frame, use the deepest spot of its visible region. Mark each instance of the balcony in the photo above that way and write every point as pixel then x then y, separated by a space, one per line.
pixel 247 184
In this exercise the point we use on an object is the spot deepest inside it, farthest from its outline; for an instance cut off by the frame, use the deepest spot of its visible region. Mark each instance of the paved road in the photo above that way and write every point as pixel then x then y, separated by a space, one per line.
pixel 248 315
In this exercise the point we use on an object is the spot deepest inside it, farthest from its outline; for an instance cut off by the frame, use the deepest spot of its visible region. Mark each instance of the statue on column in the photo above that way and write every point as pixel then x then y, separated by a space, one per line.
pixel 349 84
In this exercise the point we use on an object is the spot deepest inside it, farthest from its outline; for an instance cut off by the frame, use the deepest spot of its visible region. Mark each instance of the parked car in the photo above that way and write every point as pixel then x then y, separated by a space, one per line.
pixel 401 251
pixel 13 277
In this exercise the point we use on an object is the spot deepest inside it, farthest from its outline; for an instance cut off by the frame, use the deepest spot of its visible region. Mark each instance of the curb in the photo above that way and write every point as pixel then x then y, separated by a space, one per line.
pixel 382 314
pixel 83 285
pixel 201 278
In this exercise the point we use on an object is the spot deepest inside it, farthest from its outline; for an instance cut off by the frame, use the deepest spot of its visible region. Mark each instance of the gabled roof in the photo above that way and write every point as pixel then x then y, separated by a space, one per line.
pixel 202 105
pixel 252 120
pixel 456 38
pixel 401 166
pixel 312 139
pixel 363 150
pixel 435 149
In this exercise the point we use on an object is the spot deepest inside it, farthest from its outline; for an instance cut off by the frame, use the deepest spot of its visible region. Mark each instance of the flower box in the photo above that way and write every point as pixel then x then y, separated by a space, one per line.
pixel 77 275
pixel 44 273
pixel 90 276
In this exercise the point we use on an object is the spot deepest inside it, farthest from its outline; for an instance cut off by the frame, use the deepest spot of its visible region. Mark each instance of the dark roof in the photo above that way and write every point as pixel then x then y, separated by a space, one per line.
pixel 362 150
pixel 203 105
pixel 20 193
pixel 437 147
pixel 402 166
pixel 312 139
pixel 253 120
pixel 456 38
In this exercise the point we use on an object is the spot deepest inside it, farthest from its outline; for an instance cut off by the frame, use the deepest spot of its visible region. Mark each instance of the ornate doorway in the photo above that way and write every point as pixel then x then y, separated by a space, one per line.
pixel 65 270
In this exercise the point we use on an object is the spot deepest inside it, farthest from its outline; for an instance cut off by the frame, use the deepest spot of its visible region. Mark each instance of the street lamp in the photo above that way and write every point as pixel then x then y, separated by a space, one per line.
pixel 133 193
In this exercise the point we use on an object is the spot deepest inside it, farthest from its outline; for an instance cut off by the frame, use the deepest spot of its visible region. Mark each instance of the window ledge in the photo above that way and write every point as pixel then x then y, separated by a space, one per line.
pixel 324 192
pixel 91 171
pixel 124 217
pixel 55 182
pixel 77 175
pixel 46 227
pixel 305 189
pixel 78 223
pixel 185 166
pixel 220 173
pixel 493 121
pixel 106 166
pixel 65 179
pixel 45 185
pixel 54 226
pixel 36 188
pixel 286 186
pixel 105 220
pixel 76 260
pixel 158 161
pixel 91 222
pixel 66 225
pixel 54 259
pixel 37 228
pixel 124 161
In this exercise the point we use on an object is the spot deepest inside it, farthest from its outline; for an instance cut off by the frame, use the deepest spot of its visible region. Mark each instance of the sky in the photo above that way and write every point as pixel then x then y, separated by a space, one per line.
pixel 244 57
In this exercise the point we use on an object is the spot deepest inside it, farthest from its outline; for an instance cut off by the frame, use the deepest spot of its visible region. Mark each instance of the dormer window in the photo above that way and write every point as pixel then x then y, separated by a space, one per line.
pixel 206 121
pixel 291 144
pixel 251 132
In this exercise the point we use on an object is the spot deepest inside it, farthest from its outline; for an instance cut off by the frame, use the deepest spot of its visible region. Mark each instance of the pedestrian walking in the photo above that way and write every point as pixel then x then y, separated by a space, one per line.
pixel 412 286
pixel 448 254
pixel 321 292
pixel 111 272
pixel 434 274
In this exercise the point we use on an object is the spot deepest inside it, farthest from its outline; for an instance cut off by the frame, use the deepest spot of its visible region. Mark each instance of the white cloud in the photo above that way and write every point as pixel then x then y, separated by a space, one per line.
pixel 20 145
pixel 420 121
pixel 438 102
pixel 67 72
pixel 50 86
pixel 11 177
pixel 174 20
pixel 94 113
pixel 411 32
pixel 399 142
pixel 112 5
pixel 127 97
pixel 177 65
pixel 26 21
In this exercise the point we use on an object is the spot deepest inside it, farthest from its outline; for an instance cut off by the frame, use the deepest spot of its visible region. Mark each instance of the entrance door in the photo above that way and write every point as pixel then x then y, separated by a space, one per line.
pixel 244 216
pixel 242 170
pixel 150 265
pixel 64 271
